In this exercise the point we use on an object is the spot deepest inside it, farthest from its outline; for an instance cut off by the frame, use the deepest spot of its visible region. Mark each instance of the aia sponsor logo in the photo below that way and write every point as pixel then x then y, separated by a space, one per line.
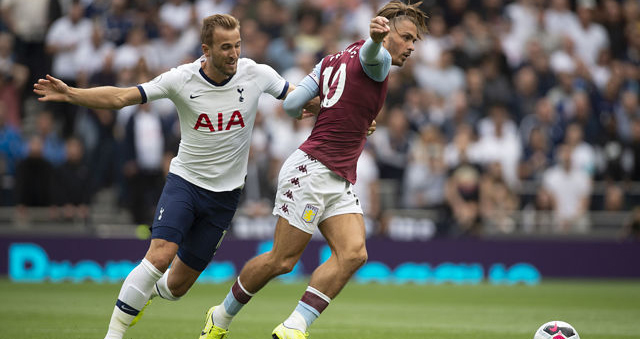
pixel 204 121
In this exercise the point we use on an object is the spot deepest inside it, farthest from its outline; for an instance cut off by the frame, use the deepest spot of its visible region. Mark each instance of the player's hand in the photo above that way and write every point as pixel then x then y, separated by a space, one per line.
pixel 379 28
pixel 306 114
pixel 372 128
pixel 313 105
pixel 51 89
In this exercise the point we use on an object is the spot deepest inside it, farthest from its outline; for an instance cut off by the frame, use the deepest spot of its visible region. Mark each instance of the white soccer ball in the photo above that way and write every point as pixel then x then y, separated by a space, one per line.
pixel 556 330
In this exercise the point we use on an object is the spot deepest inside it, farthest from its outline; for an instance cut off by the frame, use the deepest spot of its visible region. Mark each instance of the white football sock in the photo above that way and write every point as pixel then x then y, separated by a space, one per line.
pixel 134 294
pixel 296 321
pixel 162 289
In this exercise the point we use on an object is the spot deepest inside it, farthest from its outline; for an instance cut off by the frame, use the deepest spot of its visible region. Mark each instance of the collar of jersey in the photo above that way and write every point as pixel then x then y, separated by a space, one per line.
pixel 209 80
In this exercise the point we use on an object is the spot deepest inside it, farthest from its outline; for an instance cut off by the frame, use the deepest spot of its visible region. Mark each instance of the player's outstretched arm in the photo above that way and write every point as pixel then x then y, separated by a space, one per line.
pixel 104 97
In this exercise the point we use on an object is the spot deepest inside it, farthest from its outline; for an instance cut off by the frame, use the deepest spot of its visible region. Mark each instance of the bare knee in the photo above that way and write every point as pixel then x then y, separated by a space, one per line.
pixel 281 264
pixel 352 260
pixel 161 254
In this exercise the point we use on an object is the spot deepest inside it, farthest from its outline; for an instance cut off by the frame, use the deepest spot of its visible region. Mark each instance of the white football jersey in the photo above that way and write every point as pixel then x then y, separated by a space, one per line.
pixel 216 120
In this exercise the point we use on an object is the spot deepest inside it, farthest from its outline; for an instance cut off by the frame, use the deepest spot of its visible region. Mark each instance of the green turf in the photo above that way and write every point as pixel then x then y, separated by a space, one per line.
pixel 598 309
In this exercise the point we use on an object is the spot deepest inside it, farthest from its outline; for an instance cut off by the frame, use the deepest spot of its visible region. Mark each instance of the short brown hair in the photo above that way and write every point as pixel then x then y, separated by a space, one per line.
pixel 210 23
pixel 395 10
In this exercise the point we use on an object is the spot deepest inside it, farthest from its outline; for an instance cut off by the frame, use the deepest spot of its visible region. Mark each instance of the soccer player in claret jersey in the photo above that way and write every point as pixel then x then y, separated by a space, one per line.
pixel 315 183
pixel 216 97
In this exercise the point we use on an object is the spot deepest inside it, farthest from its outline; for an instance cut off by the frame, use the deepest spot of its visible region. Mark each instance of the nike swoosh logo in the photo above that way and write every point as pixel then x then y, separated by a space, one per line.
pixel 194 96
pixel 127 308
pixel 203 333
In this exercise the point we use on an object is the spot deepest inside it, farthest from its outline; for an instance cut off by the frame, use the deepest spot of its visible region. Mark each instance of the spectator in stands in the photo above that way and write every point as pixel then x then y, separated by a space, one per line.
pixel 417 111
pixel 63 39
pixel 174 47
pixel 204 8
pixel 444 79
pixel 635 149
pixel 570 190
pixel 538 58
pixel 523 21
pixel 462 193
pixel 53 149
pixel 478 41
pixel 588 36
pixel 118 21
pixel 12 77
pixel 614 198
pixel 614 22
pixel 585 117
pixel 11 151
pixel 259 191
pixel 537 215
pixel 136 51
pixel 179 14
pixel 626 111
pixel 72 183
pixel 391 146
pixel 497 87
pixel 498 141
pixel 546 120
pixel 525 94
pixel 631 229
pixel 430 50
pixel 498 203
pixel 34 178
pixel 92 55
pixel 558 17
pixel 475 92
pixel 144 150
pixel 425 175
pixel 582 153
pixel 536 156
pixel 462 146
pixel 29 21
pixel 458 113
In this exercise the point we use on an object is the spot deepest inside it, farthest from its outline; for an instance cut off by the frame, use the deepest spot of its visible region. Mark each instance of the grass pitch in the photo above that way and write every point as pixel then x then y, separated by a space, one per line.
pixel 597 309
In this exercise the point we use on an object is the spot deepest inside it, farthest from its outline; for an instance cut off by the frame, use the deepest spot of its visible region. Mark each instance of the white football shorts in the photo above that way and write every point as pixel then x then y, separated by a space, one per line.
pixel 309 192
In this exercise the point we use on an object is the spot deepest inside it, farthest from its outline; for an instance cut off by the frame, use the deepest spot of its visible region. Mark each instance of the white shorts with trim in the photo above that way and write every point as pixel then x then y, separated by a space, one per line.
pixel 309 192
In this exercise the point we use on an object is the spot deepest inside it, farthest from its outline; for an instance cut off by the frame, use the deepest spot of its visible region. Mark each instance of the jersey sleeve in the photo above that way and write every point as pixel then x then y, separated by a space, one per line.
pixel 375 60
pixel 164 85
pixel 306 90
pixel 270 81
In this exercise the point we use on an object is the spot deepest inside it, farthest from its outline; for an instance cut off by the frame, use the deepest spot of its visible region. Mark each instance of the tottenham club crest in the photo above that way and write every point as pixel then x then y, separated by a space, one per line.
pixel 309 213
pixel 240 90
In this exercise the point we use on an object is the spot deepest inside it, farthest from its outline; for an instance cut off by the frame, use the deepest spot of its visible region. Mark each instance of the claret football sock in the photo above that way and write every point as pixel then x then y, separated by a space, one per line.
pixel 134 293
pixel 237 297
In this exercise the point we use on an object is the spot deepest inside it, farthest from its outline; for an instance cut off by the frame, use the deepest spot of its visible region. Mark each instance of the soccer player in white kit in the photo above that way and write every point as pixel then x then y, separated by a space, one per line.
pixel 216 98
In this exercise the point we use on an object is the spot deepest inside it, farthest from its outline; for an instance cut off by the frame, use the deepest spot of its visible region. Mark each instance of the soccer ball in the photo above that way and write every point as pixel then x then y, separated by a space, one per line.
pixel 556 330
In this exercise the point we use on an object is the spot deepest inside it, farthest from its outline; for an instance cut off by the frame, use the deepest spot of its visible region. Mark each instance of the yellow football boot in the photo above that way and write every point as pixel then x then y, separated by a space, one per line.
pixel 137 318
pixel 211 331
pixel 282 332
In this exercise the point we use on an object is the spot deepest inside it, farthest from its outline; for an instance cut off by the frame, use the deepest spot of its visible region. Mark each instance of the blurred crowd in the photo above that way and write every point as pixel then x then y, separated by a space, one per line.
pixel 504 107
